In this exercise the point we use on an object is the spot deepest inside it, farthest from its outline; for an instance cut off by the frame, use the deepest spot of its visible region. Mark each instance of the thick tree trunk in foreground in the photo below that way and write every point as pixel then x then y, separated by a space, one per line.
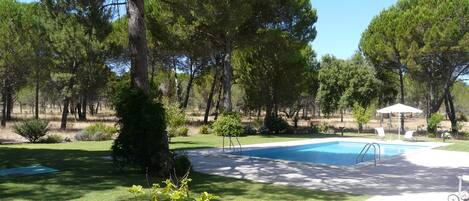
pixel 162 160
pixel 228 74
pixel 138 45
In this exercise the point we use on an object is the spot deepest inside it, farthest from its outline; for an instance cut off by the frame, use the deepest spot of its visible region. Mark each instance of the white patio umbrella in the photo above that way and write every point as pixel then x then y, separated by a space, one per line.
pixel 399 108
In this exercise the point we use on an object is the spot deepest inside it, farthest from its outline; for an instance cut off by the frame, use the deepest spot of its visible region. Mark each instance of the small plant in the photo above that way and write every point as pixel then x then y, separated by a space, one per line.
pixel 204 129
pixel 32 129
pixel 171 191
pixel 434 122
pixel 53 138
pixel 432 135
pixel 362 115
pixel 96 132
pixel 228 124
pixel 175 118
pixel 276 125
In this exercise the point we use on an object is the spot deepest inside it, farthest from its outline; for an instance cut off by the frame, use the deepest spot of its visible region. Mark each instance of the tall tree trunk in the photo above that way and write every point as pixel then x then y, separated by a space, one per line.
pixel 188 91
pixel 162 160
pixel 9 102
pixel 4 100
pixel 137 45
pixel 228 73
pixel 217 106
pixel 36 99
pixel 401 80
pixel 82 108
pixel 63 123
pixel 210 97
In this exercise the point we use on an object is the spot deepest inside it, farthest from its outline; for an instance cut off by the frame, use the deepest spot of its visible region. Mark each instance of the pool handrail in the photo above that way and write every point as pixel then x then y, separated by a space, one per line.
pixel 361 155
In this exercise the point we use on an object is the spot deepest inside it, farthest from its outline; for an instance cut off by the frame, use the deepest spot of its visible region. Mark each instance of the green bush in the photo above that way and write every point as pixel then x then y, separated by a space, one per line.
pixel 315 129
pixel 175 118
pixel 276 125
pixel 204 129
pixel 249 130
pixel 32 129
pixel 182 165
pixel 361 115
pixel 53 138
pixel 96 132
pixel 228 124
pixel 142 138
pixel 434 122
pixel 432 135
pixel 177 132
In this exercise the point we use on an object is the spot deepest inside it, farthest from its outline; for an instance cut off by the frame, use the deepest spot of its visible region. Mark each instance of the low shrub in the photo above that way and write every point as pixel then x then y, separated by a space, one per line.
pixel 182 165
pixel 32 129
pixel 53 138
pixel 178 132
pixel 228 124
pixel 276 125
pixel 434 122
pixel 96 132
pixel 461 117
pixel 432 135
pixel 249 130
pixel 315 129
pixel 204 129
pixel 263 130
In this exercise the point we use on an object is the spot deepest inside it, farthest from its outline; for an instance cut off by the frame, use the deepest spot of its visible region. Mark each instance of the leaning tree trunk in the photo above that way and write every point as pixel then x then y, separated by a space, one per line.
pixel 210 97
pixel 451 113
pixel 228 74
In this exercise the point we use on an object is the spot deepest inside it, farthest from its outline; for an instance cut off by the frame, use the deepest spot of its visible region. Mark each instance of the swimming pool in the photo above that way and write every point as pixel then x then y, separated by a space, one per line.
pixel 332 153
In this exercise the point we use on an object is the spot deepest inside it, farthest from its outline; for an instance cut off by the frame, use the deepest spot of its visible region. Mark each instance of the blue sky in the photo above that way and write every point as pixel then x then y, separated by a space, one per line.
pixel 341 23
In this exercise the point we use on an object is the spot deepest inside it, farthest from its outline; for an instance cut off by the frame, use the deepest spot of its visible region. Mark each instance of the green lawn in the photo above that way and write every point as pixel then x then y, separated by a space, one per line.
pixel 85 175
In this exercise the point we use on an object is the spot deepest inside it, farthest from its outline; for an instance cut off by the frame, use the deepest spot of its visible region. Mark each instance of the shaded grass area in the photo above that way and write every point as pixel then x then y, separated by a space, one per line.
pixel 85 173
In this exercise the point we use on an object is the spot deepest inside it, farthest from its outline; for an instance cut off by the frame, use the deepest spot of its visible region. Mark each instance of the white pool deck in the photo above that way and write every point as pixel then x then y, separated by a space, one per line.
pixel 426 174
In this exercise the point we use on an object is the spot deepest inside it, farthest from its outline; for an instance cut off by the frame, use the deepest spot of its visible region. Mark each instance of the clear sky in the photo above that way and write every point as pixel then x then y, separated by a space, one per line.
pixel 341 23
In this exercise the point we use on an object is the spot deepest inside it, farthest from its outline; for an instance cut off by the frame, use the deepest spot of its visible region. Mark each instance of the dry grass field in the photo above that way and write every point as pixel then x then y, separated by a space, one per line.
pixel 195 119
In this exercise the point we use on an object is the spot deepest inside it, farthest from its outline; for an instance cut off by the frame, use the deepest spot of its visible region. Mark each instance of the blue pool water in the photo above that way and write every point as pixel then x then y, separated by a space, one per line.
pixel 333 153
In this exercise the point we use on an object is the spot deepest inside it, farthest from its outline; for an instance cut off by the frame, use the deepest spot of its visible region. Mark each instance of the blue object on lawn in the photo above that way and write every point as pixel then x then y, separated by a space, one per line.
pixel 31 170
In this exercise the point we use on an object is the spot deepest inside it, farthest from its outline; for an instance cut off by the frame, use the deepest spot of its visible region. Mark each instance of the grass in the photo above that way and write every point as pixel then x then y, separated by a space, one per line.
pixel 85 175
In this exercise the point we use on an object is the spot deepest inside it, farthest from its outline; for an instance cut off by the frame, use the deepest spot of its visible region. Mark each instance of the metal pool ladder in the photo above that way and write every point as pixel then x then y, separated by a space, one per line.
pixel 376 147
pixel 231 143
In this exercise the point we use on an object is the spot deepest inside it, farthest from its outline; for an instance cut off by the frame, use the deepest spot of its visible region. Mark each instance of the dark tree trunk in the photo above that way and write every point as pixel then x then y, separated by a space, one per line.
pixel 210 97
pixel 63 123
pixel 451 113
pixel 36 99
pixel 9 102
pixel 162 160
pixel 137 45
pixel 217 106
pixel 401 80
pixel 188 87
pixel 4 100
pixel 227 76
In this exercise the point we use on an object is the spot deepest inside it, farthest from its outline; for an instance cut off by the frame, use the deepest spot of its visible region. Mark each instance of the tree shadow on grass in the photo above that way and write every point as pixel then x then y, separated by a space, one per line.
pixel 80 172
pixel 239 189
